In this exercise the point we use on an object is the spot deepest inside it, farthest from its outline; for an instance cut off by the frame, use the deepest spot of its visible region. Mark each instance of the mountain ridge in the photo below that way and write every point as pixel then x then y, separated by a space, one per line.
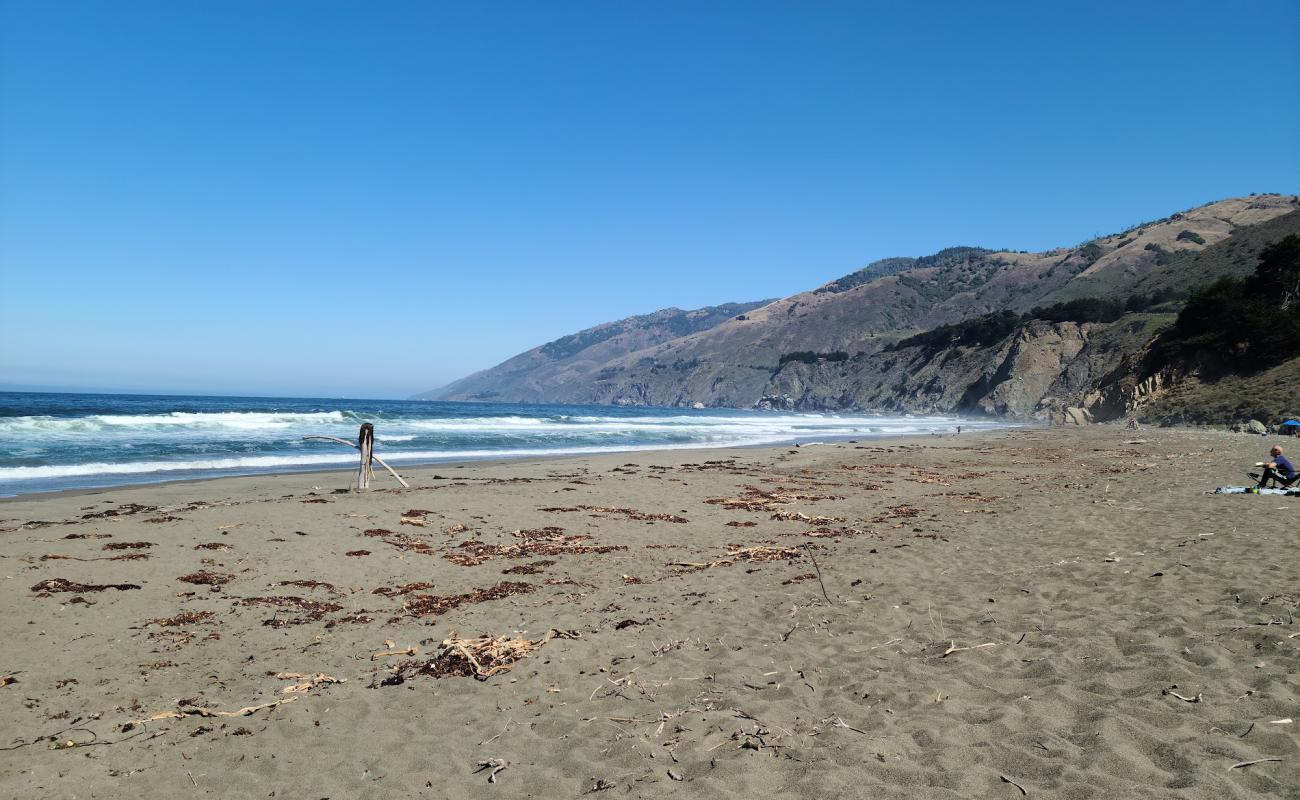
pixel 741 359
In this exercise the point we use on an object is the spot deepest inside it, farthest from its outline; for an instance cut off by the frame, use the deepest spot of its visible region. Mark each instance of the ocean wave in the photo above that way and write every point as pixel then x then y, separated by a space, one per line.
pixel 236 420
pixel 273 462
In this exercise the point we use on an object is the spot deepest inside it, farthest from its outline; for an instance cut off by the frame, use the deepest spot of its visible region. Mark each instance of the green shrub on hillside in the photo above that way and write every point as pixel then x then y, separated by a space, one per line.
pixel 1241 325
pixel 1190 236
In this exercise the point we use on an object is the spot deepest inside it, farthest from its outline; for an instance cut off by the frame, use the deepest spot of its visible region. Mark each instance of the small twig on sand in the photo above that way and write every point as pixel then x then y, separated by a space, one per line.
pixel 786 636
pixel 1005 779
pixel 1248 730
pixel 494 764
pixel 1251 763
pixel 819 573
pixel 839 723
pixel 953 648
pixel 509 722
pixel 1170 691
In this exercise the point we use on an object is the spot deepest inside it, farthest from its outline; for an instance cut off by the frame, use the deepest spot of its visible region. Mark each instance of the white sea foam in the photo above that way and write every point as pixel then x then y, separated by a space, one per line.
pixel 245 421
pixel 272 462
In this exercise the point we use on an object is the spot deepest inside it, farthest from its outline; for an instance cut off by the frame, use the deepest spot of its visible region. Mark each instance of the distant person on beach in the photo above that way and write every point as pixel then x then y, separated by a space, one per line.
pixel 1280 470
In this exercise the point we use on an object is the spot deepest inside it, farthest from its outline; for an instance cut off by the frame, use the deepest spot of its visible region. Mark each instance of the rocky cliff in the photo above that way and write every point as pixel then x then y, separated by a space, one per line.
pixel 845 344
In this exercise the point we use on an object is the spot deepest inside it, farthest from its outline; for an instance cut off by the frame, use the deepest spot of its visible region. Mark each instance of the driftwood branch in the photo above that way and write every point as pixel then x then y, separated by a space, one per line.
pixel 355 446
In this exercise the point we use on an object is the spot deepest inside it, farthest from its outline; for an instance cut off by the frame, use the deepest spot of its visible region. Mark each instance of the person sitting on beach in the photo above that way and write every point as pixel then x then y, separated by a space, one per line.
pixel 1280 470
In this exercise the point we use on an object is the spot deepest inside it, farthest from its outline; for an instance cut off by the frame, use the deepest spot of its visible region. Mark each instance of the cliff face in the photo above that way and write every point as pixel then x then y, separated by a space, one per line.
pixel 766 354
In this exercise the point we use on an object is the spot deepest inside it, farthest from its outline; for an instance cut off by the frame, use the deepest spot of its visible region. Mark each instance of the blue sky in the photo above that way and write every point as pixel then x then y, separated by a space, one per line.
pixel 372 199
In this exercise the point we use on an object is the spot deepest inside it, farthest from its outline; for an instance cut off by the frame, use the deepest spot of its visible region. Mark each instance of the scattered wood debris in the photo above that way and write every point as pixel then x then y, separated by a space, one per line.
pixel 186 711
pixel 737 554
pixel 483 656
pixel 311 682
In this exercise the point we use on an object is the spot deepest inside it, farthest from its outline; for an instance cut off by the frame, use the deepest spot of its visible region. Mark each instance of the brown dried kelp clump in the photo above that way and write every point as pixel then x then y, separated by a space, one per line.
pixel 534 544
pixel 756 499
pixel 126 509
pixel 183 618
pixel 630 513
pixel 795 516
pixel 212 546
pixel 425 604
pixel 737 554
pixel 122 557
pixel 89 536
pixel 311 610
pixel 47 587
pixel 207 578
pixel 898 512
pixel 307 584
pixel 402 541
pixel 416 517
pixel 483 656
pixel 528 569
pixel 127 545
pixel 395 591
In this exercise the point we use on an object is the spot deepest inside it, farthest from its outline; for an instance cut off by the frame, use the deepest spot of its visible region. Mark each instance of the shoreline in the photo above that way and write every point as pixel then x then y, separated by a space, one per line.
pixel 488 459
pixel 1012 603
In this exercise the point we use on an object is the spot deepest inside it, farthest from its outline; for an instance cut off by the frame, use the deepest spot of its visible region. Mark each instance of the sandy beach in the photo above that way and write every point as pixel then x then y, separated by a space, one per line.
pixel 1033 612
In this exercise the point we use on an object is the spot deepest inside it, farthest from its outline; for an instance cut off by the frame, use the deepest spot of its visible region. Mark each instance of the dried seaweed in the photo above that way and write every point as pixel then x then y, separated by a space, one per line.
pixel 122 557
pixel 64 585
pixel 425 605
pixel 483 656
pixel 212 546
pixel 556 544
pixel 402 541
pixel 528 569
pixel 311 610
pixel 756 499
pixel 898 512
pixel 395 591
pixel 795 516
pixel 127 545
pixel 89 536
pixel 737 555
pixel 630 513
pixel 183 618
pixel 307 584
pixel 207 578
pixel 126 509
pixel 357 553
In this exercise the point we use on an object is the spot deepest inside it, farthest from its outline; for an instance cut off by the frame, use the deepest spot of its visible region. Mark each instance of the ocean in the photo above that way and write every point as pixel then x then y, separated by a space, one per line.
pixel 50 442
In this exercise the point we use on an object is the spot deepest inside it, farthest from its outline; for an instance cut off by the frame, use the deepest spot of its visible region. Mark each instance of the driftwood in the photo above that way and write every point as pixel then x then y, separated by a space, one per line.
pixel 366 445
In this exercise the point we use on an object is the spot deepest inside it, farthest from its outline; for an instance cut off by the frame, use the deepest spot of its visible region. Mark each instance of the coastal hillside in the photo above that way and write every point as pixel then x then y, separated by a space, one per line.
pixel 551 370
pixel 966 329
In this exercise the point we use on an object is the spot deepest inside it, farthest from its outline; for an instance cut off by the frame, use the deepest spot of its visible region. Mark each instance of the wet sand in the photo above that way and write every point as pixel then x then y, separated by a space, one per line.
pixel 1061 613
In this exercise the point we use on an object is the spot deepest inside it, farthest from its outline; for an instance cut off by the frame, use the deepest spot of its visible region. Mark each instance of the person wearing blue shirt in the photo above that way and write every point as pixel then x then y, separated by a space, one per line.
pixel 1280 470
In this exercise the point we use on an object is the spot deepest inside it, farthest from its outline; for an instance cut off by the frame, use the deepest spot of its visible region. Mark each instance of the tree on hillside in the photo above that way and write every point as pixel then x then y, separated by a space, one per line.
pixel 1278 273
pixel 1241 325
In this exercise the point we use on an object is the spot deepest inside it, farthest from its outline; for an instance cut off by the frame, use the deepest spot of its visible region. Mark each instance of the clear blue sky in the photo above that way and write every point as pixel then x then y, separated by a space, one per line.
pixel 375 198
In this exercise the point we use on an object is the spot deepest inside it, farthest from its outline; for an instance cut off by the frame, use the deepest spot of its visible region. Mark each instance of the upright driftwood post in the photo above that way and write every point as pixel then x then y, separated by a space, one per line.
pixel 366 444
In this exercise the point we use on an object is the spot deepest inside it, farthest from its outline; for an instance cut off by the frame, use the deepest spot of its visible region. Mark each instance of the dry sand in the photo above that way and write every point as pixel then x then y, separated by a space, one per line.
pixel 1011 611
